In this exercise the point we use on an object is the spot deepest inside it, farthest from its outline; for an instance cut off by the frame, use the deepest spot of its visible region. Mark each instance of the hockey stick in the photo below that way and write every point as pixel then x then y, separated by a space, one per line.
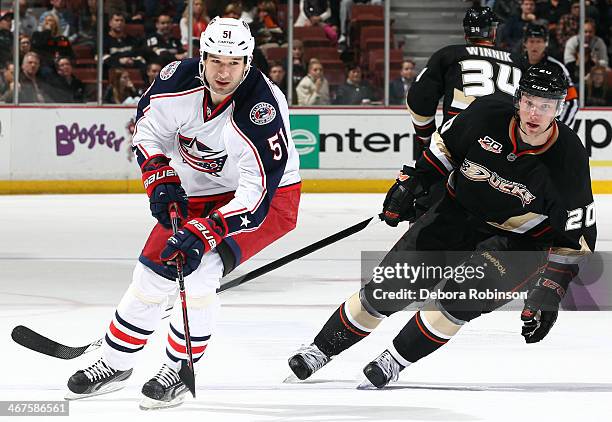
pixel 30 339
pixel 300 253
pixel 186 373
pixel 41 344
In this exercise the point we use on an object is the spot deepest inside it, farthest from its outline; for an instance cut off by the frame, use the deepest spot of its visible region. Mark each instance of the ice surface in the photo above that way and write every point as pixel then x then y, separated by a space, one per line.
pixel 66 260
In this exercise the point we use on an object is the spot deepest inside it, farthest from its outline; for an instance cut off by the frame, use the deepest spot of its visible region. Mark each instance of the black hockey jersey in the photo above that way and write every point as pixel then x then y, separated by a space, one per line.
pixel 459 73
pixel 543 192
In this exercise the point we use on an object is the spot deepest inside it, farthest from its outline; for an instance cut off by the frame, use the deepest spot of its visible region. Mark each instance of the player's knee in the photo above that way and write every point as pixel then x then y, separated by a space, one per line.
pixel 439 321
pixel 374 308
pixel 361 313
pixel 149 287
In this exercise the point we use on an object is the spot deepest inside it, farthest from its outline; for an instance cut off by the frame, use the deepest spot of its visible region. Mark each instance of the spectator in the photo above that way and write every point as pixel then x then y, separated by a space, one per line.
pixel 27 20
pixel 551 11
pixel 316 13
pixel 400 86
pixel 49 43
pixel 354 91
pixel 313 89
pixel 121 49
pixel 512 30
pixel 163 45
pixel 313 12
pixel 277 75
pixel 598 93
pixel 25 46
pixel 268 32
pixel 67 88
pixel 86 24
pixel 599 53
pixel 200 22
pixel 6 39
pixel 297 60
pixel 64 17
pixel 30 88
pixel 121 90
pixel 153 69
pixel 573 67
pixel 232 10
pixel 6 78
pixel 568 24
pixel 503 9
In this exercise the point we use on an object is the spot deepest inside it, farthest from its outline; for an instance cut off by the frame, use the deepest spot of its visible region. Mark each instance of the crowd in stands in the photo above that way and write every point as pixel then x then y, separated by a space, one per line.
pixel 562 18
pixel 337 56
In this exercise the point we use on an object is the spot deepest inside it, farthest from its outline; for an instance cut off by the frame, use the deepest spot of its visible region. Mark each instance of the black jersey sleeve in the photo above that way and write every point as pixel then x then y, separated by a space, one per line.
pixel 573 214
pixel 424 95
pixel 449 145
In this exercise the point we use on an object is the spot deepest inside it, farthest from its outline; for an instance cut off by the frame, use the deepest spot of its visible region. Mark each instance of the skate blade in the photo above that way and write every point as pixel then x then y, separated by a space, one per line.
pixel 104 390
pixel 366 385
pixel 150 404
pixel 291 379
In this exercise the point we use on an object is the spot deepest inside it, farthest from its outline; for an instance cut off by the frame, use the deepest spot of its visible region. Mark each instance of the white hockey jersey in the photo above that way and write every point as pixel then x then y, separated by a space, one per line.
pixel 243 144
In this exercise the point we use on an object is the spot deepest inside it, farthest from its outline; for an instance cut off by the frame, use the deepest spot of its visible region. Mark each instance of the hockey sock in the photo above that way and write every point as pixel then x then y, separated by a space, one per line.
pixel 427 331
pixel 202 312
pixel 348 325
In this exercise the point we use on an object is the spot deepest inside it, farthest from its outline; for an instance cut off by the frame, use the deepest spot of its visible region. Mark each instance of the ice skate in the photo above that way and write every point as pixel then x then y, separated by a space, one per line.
pixel 97 379
pixel 381 371
pixel 306 361
pixel 164 390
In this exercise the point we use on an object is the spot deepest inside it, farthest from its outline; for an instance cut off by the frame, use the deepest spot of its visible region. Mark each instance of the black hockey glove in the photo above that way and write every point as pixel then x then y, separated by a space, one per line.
pixel 164 188
pixel 399 203
pixel 541 309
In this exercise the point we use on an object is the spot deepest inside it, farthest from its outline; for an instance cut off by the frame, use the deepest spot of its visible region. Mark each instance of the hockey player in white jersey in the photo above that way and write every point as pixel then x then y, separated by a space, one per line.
pixel 212 136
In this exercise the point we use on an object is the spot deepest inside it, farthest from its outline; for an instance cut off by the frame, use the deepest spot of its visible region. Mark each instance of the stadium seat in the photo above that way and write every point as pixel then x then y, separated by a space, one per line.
pixel 86 74
pixel 82 51
pixel 311 36
pixel 135 30
pixel 322 53
pixel 278 54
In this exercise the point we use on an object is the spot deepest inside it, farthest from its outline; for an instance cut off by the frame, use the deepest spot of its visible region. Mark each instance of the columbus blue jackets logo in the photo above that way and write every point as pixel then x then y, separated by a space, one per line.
pixel 200 157
pixel 169 70
pixel 262 113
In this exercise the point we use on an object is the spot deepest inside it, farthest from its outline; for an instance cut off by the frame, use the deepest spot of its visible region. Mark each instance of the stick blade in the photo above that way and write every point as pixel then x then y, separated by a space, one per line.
pixel 32 340
pixel 188 377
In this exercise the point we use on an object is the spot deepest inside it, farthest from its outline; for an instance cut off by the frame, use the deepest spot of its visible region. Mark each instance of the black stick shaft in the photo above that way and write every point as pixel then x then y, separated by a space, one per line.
pixel 297 254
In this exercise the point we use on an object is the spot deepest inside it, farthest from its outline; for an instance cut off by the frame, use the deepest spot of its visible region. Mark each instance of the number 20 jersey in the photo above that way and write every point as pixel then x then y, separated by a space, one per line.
pixel 459 74
pixel 243 144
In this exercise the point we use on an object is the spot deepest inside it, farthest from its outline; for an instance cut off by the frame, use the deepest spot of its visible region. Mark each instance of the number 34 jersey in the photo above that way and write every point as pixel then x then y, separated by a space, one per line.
pixel 542 192
pixel 459 74
pixel 243 144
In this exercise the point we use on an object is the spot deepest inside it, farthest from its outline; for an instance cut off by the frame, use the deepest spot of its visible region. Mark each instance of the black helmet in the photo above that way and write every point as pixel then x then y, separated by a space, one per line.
pixel 480 22
pixel 545 80
pixel 535 31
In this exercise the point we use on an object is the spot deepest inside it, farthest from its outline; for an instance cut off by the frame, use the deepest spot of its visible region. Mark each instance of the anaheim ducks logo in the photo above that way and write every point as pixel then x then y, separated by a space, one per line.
pixel 479 173
pixel 200 157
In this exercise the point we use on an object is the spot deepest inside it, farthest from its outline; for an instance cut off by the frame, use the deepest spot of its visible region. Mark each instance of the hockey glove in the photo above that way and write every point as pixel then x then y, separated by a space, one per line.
pixel 164 188
pixel 399 203
pixel 198 236
pixel 541 309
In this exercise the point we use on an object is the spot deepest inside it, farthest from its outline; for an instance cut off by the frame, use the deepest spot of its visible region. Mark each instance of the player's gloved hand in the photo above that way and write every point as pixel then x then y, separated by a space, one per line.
pixel 399 203
pixel 541 309
pixel 164 188
pixel 193 240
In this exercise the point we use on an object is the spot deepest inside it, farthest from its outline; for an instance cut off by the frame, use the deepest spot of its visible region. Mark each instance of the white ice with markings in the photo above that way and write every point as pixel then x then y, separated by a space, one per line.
pixel 66 260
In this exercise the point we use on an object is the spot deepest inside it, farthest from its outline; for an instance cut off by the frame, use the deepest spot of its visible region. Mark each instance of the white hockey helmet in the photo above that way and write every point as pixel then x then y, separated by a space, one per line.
pixel 227 37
